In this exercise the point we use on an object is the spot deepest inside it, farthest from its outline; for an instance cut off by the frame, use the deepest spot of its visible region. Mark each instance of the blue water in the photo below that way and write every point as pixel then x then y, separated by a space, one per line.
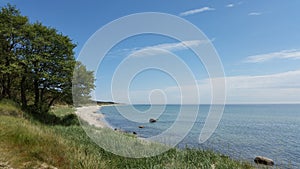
pixel 245 131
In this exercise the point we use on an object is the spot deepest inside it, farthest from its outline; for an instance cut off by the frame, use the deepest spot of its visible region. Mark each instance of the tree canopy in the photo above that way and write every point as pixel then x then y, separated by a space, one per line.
pixel 83 83
pixel 37 63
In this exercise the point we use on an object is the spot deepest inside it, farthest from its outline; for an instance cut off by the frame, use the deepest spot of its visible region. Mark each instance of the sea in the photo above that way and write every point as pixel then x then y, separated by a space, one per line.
pixel 244 131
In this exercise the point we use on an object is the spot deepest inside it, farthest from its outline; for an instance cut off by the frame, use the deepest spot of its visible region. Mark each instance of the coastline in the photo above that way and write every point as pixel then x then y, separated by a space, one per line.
pixel 90 115
pixel 72 144
pixel 236 111
pixel 94 118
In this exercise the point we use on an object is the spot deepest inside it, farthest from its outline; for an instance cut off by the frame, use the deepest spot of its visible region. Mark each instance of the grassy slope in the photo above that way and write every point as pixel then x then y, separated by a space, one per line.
pixel 28 144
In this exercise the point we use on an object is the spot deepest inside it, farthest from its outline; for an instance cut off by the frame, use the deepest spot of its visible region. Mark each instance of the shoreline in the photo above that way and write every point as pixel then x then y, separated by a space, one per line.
pixel 94 118
pixel 90 115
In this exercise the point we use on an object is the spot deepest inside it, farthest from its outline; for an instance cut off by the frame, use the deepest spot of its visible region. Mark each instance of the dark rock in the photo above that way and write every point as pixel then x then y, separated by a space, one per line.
pixel 263 160
pixel 152 120
pixel 141 127
pixel 134 133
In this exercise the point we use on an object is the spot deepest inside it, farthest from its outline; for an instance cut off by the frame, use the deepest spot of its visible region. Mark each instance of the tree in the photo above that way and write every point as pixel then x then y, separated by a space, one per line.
pixel 37 63
pixel 49 61
pixel 83 84
pixel 11 34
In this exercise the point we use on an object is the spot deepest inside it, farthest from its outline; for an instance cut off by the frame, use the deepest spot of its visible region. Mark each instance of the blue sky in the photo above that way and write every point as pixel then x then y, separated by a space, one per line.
pixel 258 42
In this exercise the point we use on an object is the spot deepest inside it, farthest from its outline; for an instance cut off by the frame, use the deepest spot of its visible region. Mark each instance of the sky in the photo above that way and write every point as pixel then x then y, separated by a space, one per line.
pixel 258 42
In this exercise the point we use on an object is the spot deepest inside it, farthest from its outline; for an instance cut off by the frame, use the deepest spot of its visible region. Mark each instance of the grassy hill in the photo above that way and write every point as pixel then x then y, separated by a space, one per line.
pixel 27 143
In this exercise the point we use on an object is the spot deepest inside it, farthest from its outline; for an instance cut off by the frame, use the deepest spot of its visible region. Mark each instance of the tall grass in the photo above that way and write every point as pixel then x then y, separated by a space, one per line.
pixel 62 110
pixel 174 158
pixel 28 145
pixel 8 107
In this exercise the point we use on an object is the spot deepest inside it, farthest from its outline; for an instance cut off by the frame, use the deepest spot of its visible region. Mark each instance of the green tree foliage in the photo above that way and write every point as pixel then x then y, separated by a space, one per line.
pixel 36 63
pixel 49 61
pixel 83 84
pixel 11 35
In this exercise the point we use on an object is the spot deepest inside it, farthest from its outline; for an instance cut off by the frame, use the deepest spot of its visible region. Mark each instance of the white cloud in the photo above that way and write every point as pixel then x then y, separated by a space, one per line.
pixel 230 5
pixel 157 49
pixel 290 79
pixel 177 46
pixel 273 88
pixel 153 50
pixel 194 11
pixel 254 13
pixel 284 54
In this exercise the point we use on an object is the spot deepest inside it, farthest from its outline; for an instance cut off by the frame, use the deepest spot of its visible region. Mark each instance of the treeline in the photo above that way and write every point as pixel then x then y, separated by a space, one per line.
pixel 37 64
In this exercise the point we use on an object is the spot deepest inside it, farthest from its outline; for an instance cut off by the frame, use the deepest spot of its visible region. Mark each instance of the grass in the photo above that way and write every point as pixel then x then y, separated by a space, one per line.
pixel 174 158
pixel 58 115
pixel 62 110
pixel 8 107
pixel 27 144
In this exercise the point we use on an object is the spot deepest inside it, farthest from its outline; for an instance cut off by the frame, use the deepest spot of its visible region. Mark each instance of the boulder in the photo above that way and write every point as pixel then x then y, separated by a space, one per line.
pixel 263 160
pixel 141 127
pixel 134 133
pixel 152 120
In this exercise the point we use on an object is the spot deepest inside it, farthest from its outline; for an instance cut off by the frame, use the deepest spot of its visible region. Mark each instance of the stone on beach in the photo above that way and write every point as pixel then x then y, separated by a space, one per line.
pixel 152 120
pixel 263 160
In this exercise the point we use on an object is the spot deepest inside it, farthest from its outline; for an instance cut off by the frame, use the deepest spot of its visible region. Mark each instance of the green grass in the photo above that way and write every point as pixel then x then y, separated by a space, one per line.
pixel 27 145
pixel 58 115
pixel 174 158
pixel 8 107
pixel 62 110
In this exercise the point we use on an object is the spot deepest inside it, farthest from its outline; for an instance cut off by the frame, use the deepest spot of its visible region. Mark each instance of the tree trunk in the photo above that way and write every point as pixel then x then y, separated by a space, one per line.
pixel 2 87
pixel 42 94
pixel 7 80
pixel 23 92
pixel 52 101
pixel 36 93
pixel 8 87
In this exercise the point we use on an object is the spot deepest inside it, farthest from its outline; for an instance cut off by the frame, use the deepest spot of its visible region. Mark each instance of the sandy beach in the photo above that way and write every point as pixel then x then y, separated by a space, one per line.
pixel 90 115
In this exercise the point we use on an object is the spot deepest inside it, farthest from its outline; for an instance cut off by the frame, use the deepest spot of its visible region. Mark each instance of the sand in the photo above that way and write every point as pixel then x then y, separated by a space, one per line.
pixel 91 116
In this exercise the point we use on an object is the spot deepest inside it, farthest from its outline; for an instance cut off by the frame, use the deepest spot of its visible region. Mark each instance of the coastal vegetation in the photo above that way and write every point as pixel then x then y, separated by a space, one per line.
pixel 37 65
pixel 26 143
pixel 38 127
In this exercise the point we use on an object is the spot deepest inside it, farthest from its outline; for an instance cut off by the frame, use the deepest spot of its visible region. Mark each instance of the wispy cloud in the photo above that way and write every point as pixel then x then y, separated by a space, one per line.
pixel 157 49
pixel 177 46
pixel 254 13
pixel 284 54
pixel 271 88
pixel 284 80
pixel 281 87
pixel 230 5
pixel 194 11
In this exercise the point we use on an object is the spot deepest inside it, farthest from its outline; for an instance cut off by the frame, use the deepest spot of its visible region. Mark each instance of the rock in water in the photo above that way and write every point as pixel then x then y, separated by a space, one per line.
pixel 141 127
pixel 152 120
pixel 263 160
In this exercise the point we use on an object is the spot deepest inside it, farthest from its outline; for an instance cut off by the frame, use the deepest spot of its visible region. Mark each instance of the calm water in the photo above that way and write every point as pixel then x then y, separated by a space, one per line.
pixel 245 131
